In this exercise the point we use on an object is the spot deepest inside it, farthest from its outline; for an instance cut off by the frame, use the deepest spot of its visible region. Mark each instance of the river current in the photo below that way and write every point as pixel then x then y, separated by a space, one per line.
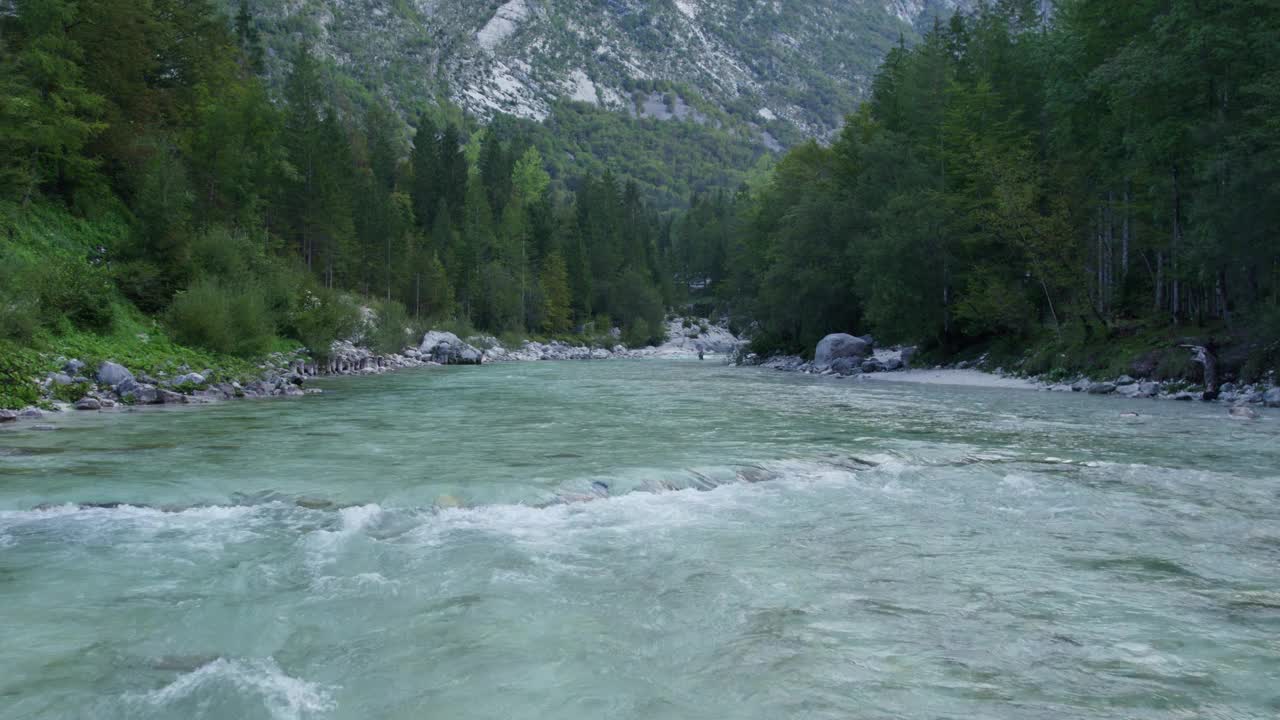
pixel 642 539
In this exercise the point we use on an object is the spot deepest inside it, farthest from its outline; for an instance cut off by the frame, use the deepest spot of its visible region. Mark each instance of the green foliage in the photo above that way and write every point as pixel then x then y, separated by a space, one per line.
pixel 319 317
pixel 75 291
pixel 19 370
pixel 70 392
pixel 224 318
pixel 393 329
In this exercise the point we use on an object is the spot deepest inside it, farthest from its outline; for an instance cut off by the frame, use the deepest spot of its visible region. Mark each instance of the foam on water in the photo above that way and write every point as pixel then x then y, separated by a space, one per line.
pixel 261 680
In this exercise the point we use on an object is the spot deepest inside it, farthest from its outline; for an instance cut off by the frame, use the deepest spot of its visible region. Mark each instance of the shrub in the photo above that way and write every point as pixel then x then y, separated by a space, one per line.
pixel 19 309
pixel 319 317
pixel 233 320
pixel 392 329
pixel 18 368
pixel 78 291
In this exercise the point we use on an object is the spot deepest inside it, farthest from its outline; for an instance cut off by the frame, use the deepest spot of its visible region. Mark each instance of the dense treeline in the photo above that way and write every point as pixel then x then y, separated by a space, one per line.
pixel 245 215
pixel 1107 167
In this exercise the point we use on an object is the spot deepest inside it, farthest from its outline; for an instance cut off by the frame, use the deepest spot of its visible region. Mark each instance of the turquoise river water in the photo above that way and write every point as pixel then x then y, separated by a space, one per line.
pixel 642 539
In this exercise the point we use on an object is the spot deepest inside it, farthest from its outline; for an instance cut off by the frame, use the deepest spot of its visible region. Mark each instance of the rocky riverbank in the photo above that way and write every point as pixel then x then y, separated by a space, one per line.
pixel 847 356
pixel 110 386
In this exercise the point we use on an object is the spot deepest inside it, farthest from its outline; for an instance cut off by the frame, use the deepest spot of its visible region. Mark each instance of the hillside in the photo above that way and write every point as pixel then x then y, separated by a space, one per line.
pixel 785 70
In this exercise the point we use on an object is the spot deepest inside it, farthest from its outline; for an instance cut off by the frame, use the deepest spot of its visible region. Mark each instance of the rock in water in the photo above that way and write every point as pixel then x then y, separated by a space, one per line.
pixel 1271 398
pixel 1242 412
pixel 446 349
pixel 8 416
pixel 1102 388
pixel 840 345
pixel 112 374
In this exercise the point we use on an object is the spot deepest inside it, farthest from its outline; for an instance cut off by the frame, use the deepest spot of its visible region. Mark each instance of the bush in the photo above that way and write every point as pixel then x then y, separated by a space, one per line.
pixel 233 320
pixel 78 291
pixel 392 330
pixel 18 368
pixel 19 308
pixel 319 317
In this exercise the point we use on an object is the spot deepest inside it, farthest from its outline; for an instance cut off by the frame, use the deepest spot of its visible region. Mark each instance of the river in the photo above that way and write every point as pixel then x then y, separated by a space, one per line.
pixel 642 539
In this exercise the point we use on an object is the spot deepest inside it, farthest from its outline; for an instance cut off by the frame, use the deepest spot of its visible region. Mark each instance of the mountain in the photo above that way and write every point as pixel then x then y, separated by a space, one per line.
pixel 774 72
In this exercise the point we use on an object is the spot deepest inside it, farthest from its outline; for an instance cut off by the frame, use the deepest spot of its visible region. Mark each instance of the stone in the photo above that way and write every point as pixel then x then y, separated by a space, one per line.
pixel 892 364
pixel 31 413
pixel 1243 412
pixel 1148 389
pixel 1080 385
pixel 60 379
pixel 1253 398
pixel 113 374
pixel 88 403
pixel 840 345
pixel 1228 388
pixel 907 355
pixel 1101 388
pixel 189 379
pixel 8 416
pixel 1184 396
pixel 169 397
pixel 872 365
pixel 846 366
pixel 446 349
pixel 1124 380
pixel 1271 398
pixel 73 367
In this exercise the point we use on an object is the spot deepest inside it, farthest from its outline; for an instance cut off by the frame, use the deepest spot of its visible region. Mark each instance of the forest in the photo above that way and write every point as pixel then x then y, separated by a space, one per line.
pixel 146 167
pixel 1076 182
pixel 1055 187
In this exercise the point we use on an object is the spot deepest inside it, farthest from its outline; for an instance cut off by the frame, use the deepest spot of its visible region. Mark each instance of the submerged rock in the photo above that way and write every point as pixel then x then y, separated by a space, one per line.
pixel 1243 412
pixel 1271 398
pixel 840 345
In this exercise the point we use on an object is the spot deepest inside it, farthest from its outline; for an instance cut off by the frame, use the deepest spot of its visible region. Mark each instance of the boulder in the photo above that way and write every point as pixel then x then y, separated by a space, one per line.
pixel 1228 388
pixel 1243 412
pixel 1080 385
pixel 73 367
pixel 446 349
pixel 1101 388
pixel 872 365
pixel 907 354
pixel 1148 389
pixel 60 379
pixel 112 374
pixel 846 366
pixel 1124 380
pixel 169 397
pixel 88 403
pixel 1184 396
pixel 140 394
pixel 189 379
pixel 893 363
pixel 1271 398
pixel 840 345
pixel 8 416
pixel 31 413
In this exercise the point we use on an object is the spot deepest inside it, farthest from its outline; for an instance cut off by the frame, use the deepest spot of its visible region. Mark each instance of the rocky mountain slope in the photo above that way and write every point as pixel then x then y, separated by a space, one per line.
pixel 780 69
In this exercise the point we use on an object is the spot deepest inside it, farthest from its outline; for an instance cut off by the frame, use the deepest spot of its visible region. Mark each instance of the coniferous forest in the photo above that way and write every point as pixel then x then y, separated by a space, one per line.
pixel 1070 181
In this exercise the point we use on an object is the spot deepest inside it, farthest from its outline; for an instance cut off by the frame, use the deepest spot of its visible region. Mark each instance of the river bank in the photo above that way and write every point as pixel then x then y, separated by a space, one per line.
pixel 109 386
pixel 849 357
